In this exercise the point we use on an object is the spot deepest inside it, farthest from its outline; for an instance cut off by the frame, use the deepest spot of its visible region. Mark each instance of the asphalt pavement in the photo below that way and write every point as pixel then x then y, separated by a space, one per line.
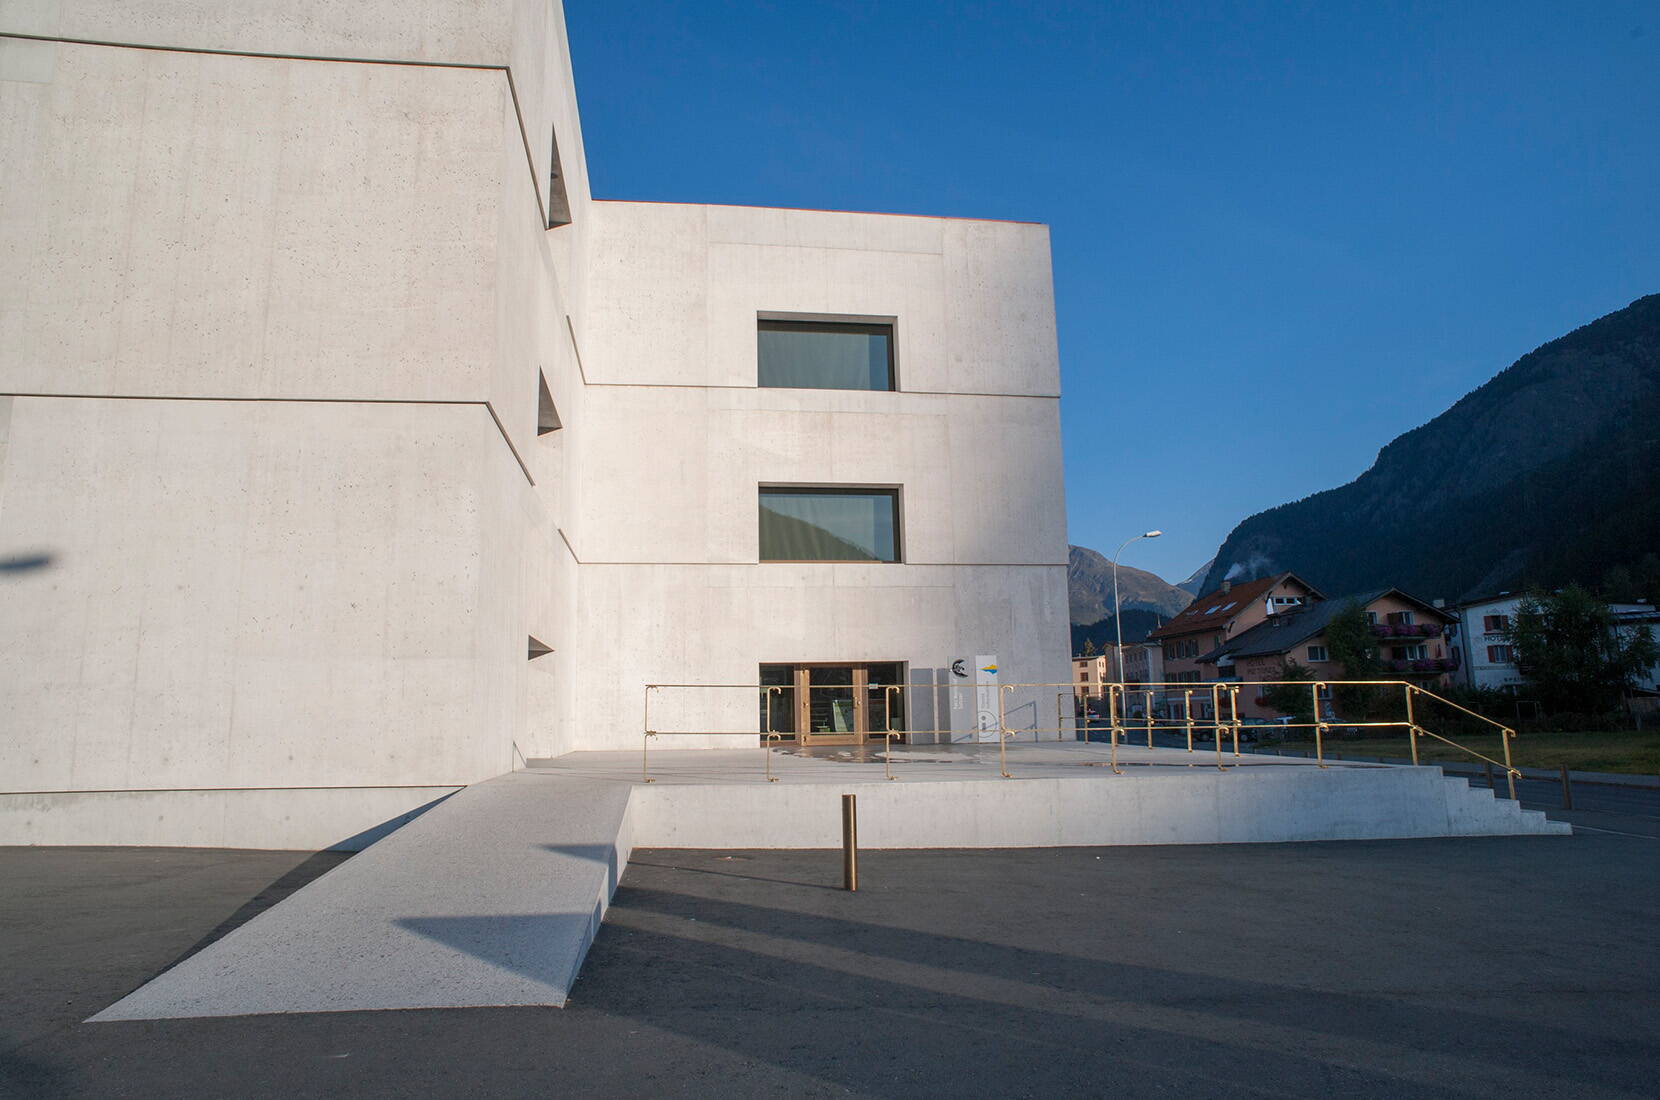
pixel 1505 967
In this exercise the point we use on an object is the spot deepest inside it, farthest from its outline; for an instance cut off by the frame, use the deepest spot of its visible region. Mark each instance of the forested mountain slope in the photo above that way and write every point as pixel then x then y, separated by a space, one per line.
pixel 1548 473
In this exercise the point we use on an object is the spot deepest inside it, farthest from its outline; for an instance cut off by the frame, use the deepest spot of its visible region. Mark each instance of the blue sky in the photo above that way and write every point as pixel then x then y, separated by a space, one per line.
pixel 1283 233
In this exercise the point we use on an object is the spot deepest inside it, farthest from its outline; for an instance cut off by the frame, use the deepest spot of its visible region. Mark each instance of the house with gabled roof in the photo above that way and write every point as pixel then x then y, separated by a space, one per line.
pixel 1413 642
pixel 1217 617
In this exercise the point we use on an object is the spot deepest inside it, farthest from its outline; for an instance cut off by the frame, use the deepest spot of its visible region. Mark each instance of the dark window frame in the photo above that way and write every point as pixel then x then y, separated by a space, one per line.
pixel 895 493
pixel 859 326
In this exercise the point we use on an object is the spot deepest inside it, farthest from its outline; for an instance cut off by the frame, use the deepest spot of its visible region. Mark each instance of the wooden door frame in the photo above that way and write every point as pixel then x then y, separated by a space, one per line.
pixel 804 735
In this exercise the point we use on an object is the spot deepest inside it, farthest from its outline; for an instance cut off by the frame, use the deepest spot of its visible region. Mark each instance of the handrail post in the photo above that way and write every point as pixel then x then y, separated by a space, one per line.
pixel 1233 708
pixel 645 742
pixel 1506 735
pixel 888 734
pixel 1060 721
pixel 1187 710
pixel 1148 706
pixel 1319 725
pixel 1112 718
pixel 1411 725
pixel 767 736
pixel 1216 722
pixel 1003 732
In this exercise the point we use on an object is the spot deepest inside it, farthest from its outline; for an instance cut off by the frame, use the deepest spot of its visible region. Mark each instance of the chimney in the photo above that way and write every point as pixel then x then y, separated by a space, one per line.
pixel 1438 602
pixel 1227 586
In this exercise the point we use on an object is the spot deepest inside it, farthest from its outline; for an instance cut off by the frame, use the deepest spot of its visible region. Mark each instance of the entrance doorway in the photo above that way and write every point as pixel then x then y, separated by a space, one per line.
pixel 832 703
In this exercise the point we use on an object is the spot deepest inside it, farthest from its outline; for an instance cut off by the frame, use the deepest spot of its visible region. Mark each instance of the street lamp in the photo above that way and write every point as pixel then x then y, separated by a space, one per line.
pixel 1117 619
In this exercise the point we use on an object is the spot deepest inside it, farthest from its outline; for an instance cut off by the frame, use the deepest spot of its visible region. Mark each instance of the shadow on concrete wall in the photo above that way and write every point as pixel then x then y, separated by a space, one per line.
pixel 26 563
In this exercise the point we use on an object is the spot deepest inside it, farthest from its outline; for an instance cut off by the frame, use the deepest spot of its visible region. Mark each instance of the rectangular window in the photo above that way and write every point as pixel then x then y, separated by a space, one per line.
pixel 1500 655
pixel 1495 624
pixel 1372 617
pixel 1401 618
pixel 1317 653
pixel 826 355
pixel 829 524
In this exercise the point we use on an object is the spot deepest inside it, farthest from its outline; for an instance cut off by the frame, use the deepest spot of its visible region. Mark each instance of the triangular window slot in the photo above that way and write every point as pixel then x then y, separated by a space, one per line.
pixel 547 417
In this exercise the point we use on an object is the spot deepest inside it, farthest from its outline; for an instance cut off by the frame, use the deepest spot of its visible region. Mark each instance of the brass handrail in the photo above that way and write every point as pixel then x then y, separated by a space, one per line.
pixel 1229 723
pixel 1320 725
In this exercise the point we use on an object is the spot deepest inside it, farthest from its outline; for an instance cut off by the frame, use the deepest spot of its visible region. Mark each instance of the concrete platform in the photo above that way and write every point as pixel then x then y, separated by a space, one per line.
pixel 1060 794
pixel 493 896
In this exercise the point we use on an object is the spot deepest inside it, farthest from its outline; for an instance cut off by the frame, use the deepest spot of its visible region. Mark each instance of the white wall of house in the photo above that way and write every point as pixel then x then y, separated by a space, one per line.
pixel 1640 618
pixel 1481 667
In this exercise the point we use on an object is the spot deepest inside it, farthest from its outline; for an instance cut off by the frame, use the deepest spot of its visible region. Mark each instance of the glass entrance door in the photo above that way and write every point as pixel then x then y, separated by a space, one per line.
pixel 832 704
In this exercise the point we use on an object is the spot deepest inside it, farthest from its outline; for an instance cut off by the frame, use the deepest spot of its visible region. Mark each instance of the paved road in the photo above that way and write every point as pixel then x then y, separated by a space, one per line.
pixel 1505 967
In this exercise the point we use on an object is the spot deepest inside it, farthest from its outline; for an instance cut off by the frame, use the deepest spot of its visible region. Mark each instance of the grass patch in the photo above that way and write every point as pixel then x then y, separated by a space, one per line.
pixel 1631 752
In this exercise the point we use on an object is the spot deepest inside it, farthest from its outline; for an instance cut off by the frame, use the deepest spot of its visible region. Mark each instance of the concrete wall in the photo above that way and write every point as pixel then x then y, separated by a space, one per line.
pixel 1202 806
pixel 672 589
pixel 275 507
pixel 271 384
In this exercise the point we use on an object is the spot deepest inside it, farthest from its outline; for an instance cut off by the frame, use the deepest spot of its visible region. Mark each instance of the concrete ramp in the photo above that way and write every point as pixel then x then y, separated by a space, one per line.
pixel 490 898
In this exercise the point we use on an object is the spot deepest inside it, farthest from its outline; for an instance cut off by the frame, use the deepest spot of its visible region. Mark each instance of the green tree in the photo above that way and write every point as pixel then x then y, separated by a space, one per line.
pixel 1351 643
pixel 1089 647
pixel 1568 647
pixel 1292 698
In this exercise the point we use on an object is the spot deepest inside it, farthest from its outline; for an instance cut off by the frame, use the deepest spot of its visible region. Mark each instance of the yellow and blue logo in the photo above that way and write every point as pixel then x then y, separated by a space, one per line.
pixel 990 668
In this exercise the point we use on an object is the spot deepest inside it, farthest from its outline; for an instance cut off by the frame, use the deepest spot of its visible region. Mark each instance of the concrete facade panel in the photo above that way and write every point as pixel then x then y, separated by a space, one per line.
pixel 282 228
pixel 254 594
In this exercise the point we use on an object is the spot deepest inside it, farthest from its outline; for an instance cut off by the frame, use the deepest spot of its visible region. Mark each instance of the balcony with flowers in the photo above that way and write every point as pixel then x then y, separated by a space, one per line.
pixel 1425 666
pixel 1406 630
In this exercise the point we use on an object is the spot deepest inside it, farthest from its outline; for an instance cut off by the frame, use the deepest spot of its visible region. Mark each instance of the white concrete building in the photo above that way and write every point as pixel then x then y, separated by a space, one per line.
pixel 328 394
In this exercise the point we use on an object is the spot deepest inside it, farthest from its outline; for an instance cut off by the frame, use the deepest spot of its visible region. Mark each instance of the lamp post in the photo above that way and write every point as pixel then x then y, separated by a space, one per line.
pixel 1117 620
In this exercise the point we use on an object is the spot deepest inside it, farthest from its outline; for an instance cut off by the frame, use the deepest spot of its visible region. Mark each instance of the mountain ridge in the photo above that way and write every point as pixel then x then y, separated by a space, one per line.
pixel 1089 588
pixel 1547 473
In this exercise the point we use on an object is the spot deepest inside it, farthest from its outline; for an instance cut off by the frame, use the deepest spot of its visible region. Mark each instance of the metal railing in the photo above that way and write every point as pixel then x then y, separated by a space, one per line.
pixel 1220 718
pixel 1158 695
pixel 769 737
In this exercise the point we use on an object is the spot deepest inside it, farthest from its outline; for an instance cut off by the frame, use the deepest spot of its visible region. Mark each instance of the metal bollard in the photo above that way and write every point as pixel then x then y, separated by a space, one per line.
pixel 850 842
pixel 1567 790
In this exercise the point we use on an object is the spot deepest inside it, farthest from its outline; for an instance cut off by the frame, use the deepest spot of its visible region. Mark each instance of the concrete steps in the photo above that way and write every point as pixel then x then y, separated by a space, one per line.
pixel 490 898
pixel 1485 807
